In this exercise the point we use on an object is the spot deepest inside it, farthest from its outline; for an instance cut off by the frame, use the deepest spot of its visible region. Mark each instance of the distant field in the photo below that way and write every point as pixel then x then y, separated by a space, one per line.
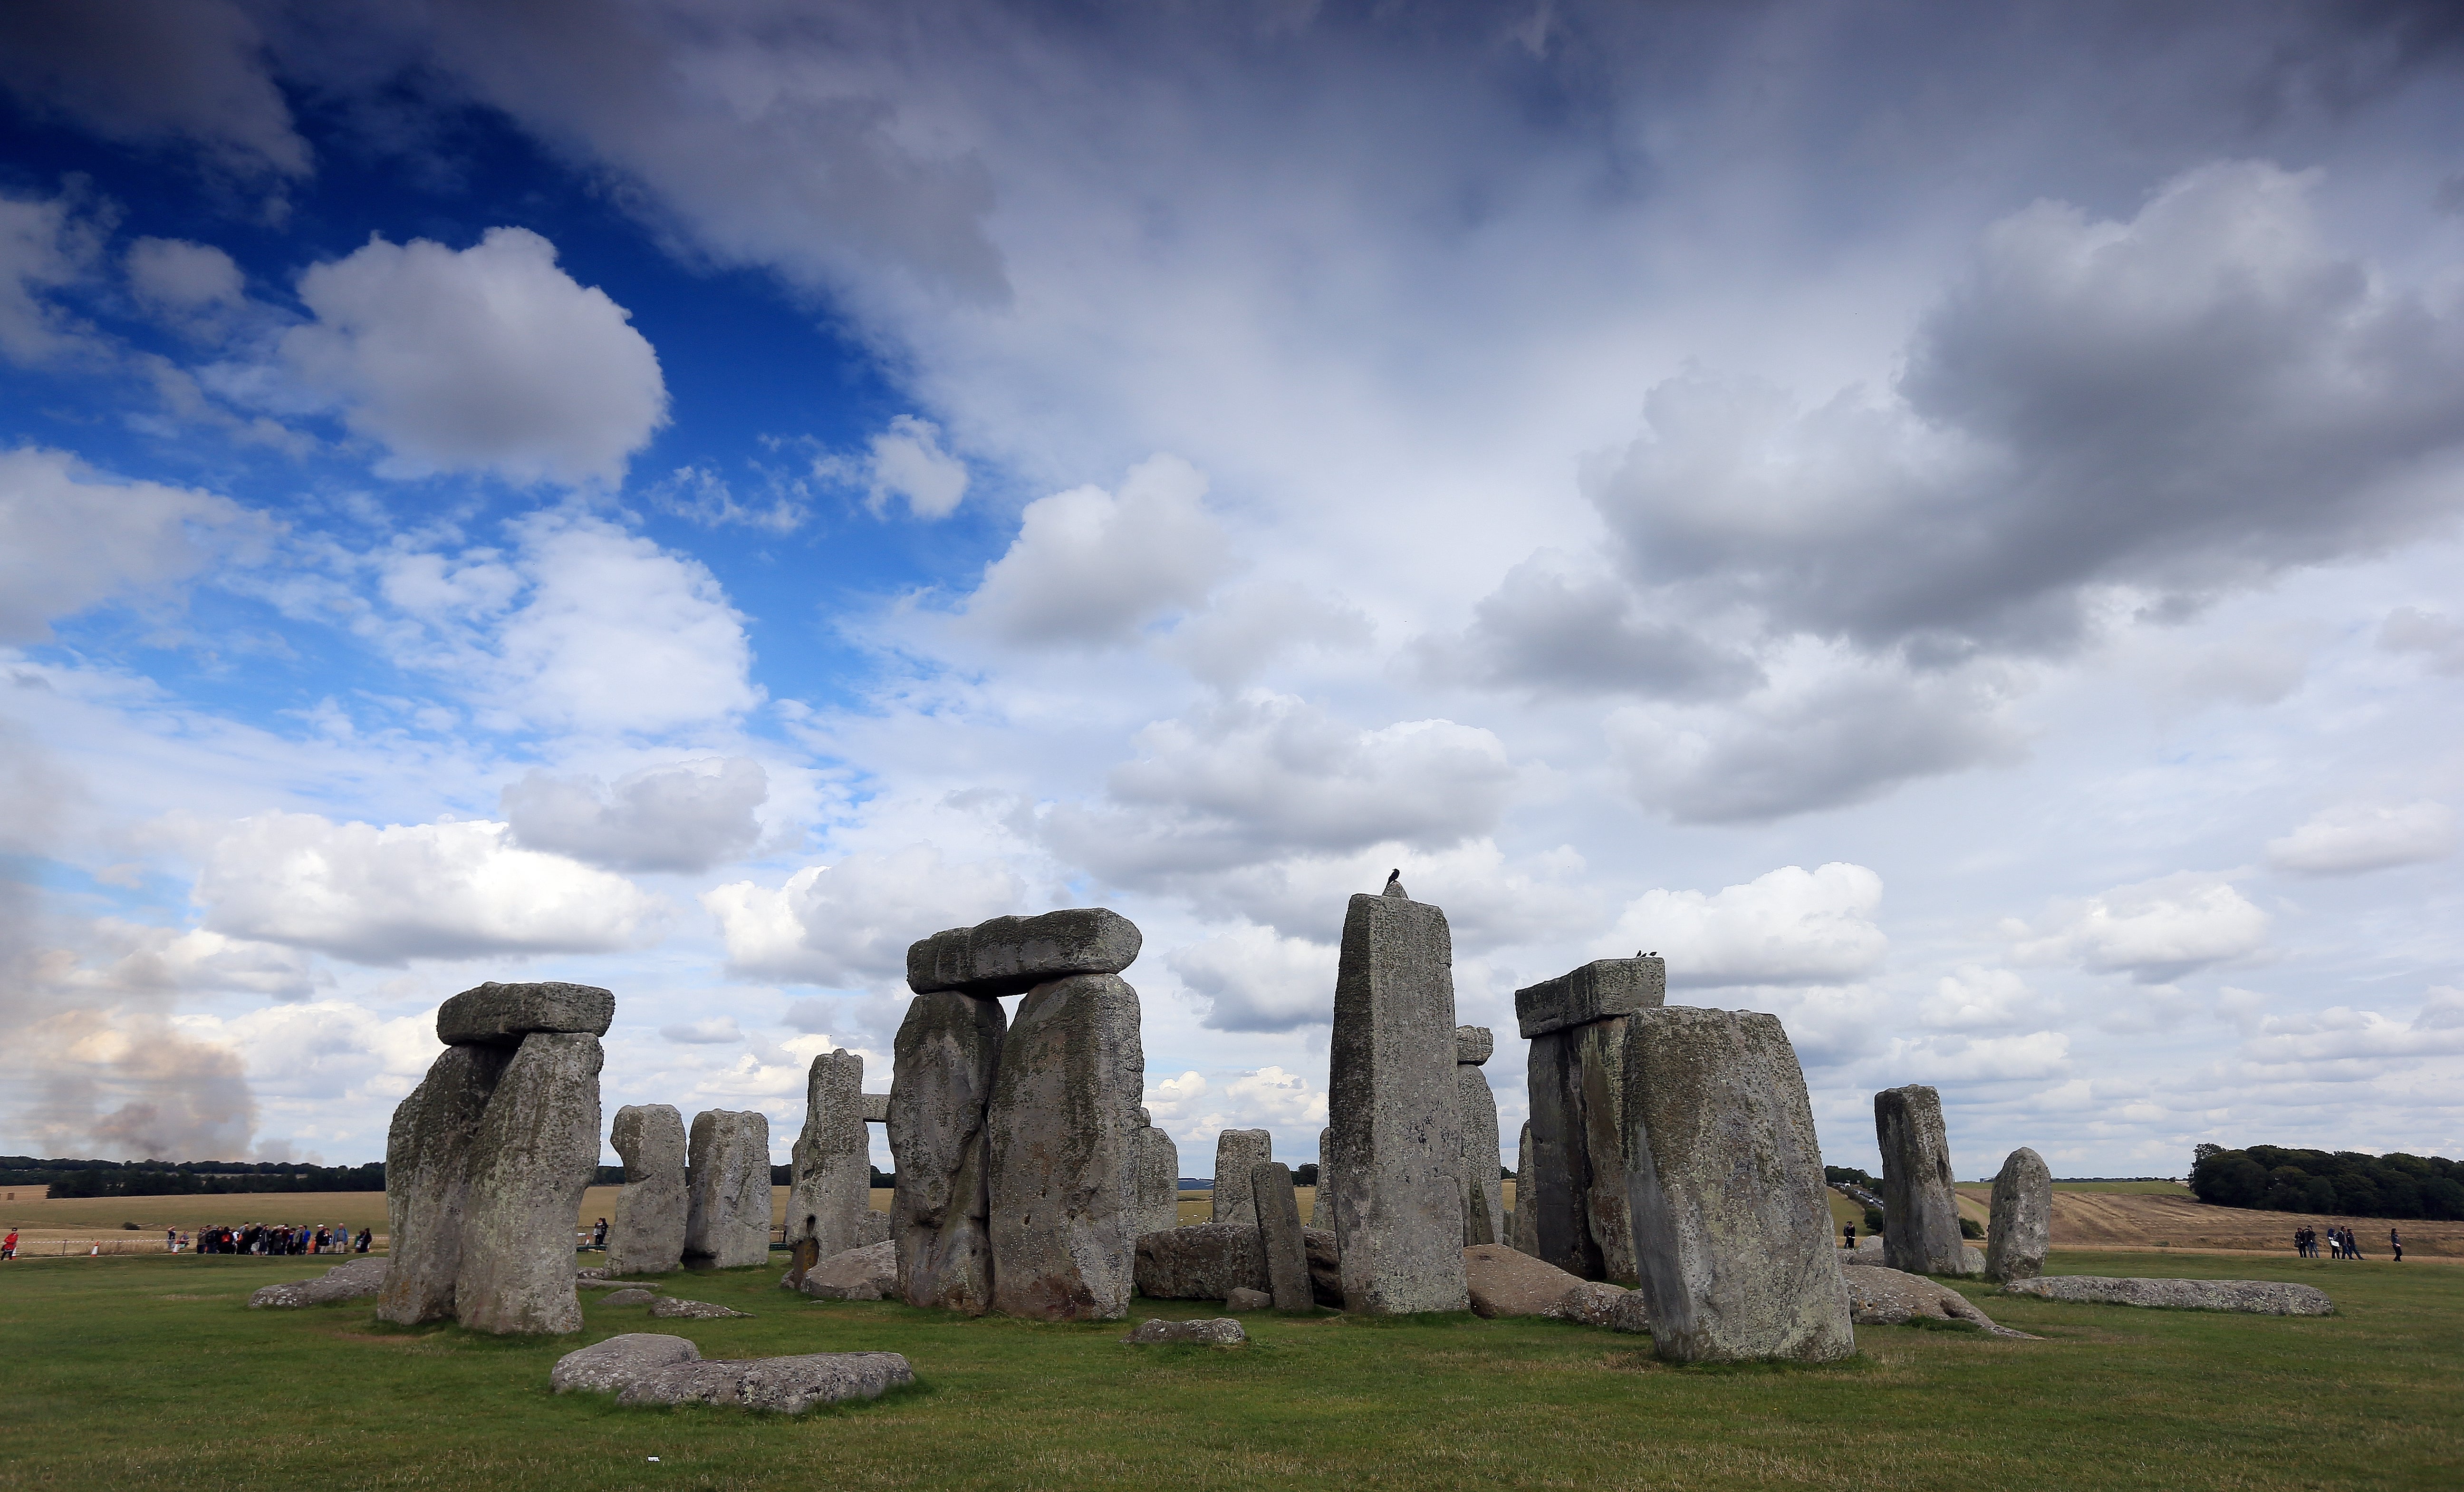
pixel 1985 1189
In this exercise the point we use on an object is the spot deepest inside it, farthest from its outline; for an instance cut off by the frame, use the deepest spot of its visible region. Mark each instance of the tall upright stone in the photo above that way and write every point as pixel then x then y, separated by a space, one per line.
pixel 2022 1223
pixel 947 1053
pixel 829 1185
pixel 1061 1154
pixel 1158 1178
pixel 1237 1153
pixel 1920 1211
pixel 646 1227
pixel 1279 1228
pixel 1483 1193
pixel 427 1181
pixel 1519 1236
pixel 534 1151
pixel 1322 1209
pixel 1732 1221
pixel 727 1196
pixel 1574 1187
pixel 1398 1138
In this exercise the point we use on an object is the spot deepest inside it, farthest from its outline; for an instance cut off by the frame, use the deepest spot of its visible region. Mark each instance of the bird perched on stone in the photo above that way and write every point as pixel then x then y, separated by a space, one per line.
pixel 1394 885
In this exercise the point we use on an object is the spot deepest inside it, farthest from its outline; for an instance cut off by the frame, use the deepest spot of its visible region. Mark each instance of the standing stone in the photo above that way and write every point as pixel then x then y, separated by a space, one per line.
pixel 830 1183
pixel 427 1181
pixel 1322 1205
pixel 1158 1181
pixel 1398 1139
pixel 726 1209
pixel 1573 1185
pixel 1731 1224
pixel 1011 955
pixel 1919 1212
pixel 2022 1224
pixel 1483 1193
pixel 947 1052
pixel 1061 1150
pixel 534 1153
pixel 1237 1153
pixel 646 1230
pixel 1279 1225
pixel 1520 1238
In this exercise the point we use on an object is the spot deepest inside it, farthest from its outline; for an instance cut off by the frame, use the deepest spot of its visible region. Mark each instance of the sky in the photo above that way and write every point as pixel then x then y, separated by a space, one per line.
pixel 1939 520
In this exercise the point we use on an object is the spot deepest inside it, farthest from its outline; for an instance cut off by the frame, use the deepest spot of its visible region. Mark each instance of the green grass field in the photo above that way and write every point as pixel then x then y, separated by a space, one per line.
pixel 147 1372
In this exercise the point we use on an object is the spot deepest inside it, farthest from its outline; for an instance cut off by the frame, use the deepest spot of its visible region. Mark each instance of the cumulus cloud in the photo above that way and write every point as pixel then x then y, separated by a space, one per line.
pixel 1954 1062
pixel 71 538
pixel 1552 627
pixel 2438 638
pixel 710 1031
pixel 849 924
pixel 2347 1043
pixel 907 462
pixel 1788 926
pixel 486 359
pixel 1254 980
pixel 1246 628
pixel 1490 897
pixel 2360 836
pixel 44 245
pixel 1089 567
pixel 387 896
pixel 192 73
pixel 183 277
pixel 701 496
pixel 1975 998
pixel 2154 931
pixel 684 816
pixel 1194 1108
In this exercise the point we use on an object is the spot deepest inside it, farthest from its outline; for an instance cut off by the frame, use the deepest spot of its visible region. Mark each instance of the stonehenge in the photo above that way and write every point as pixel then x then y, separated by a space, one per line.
pixel 946 1053
pixel 2022 1218
pixel 1519 1229
pixel 646 1228
pixel 1158 1178
pixel 1237 1153
pixel 1919 1212
pixel 1279 1228
pixel 727 1189
pixel 487 1159
pixel 1573 1184
pixel 1483 1193
pixel 1396 1132
pixel 829 1185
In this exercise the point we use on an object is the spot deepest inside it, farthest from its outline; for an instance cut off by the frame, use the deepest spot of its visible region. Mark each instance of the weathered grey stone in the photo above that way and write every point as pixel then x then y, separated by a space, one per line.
pixel 1878 1297
pixel 1204 1261
pixel 1474 1044
pixel 1061 1153
pixel 1582 1220
pixel 1011 955
pixel 947 1052
pixel 1596 1303
pixel 646 1227
pixel 632 1295
pixel 2257 1296
pixel 876 1107
pixel 1505 1283
pixel 1158 1181
pixel 1919 1212
pixel 1247 1301
pixel 1483 1191
pixel 2022 1220
pixel 537 1148
pixel 495 1015
pixel 355 1280
pixel 1279 1231
pixel 727 1211
pixel 867 1274
pixel 428 1182
pixel 1222 1331
pixel 829 1177
pixel 1595 991
pixel 1237 1153
pixel 781 1385
pixel 1325 1266
pixel 1519 1232
pixel 672 1308
pixel 583 1281
pixel 607 1366
pixel 1322 1205
pixel 873 1227
pixel 1732 1221
pixel 1398 1140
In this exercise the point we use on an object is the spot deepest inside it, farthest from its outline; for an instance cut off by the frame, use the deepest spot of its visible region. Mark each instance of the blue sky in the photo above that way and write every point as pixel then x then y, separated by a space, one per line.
pixel 1941 522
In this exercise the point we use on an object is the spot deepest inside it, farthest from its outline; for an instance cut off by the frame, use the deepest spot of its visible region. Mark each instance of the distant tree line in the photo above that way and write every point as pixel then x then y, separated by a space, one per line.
pixel 2345 1182
pixel 68 1178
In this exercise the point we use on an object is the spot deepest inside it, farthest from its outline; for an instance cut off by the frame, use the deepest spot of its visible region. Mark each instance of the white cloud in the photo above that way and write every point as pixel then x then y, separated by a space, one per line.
pixel 1489 898
pixel 2332 1041
pixel 1194 1110
pixel 1256 981
pixel 490 359
pixel 701 496
pixel 44 245
pixel 2360 836
pixel 1246 628
pixel 1553 627
pixel 70 539
pixel 387 896
pixel 2437 636
pixel 849 924
pixel 708 1030
pixel 1089 568
pixel 183 276
pixel 2155 930
pixel 1788 926
pixel 1975 998
pixel 908 462
pixel 683 817
pixel 1954 1062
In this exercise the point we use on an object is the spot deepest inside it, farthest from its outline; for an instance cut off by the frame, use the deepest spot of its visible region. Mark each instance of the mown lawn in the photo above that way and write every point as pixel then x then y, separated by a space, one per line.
pixel 148 1373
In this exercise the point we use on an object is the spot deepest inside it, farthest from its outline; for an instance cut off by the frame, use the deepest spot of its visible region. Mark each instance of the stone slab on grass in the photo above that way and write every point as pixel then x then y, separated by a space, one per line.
pixel 355 1280
pixel 642 1368
pixel 2254 1297
pixel 630 1295
pixel 1880 1297
pixel 672 1309
pixel 607 1366
pixel 1204 1261
pixel 1505 1281
pixel 1222 1331
pixel 1596 1303
pixel 867 1274
pixel 1246 1301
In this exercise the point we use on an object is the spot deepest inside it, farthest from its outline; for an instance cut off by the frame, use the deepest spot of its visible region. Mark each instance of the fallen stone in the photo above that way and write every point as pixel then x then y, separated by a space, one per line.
pixel 533 1156
pixel 829 1185
pixel 603 1283
pixel 1731 1218
pixel 589 1272
pixel 1222 1331
pixel 947 1053
pixel 1596 1303
pixel 876 1108
pixel 1398 1138
pixel 607 1366
pixel 1483 1191
pixel 355 1280
pixel 1503 1283
pixel 667 1305
pixel 1595 991
pixel 1582 1218
pixel 1011 955
pixel 632 1295
pixel 1158 1181
pixel 1060 1152
pixel 2023 1225
pixel 1279 1230
pixel 1204 1261
pixel 781 1385
pixel 1237 1153
pixel 428 1182
pixel 496 1015
pixel 1881 1296
pixel 1920 1213
pixel 867 1274
pixel 1249 1300
pixel 2256 1297
pixel 727 1211
pixel 646 1227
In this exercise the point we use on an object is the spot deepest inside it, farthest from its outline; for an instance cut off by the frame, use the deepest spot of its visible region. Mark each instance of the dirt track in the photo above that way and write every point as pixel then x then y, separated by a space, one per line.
pixel 2124 1219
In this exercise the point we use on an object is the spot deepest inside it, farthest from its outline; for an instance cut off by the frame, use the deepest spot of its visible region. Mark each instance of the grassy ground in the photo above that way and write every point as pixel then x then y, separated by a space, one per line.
pixel 147 1372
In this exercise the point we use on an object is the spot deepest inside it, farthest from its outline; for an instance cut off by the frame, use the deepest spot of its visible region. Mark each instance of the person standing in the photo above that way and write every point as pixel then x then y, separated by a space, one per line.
pixel 9 1245
pixel 2352 1244
pixel 2396 1243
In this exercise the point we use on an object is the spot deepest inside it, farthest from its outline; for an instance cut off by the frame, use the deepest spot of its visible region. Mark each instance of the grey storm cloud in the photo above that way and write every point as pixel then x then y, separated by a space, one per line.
pixel 685 817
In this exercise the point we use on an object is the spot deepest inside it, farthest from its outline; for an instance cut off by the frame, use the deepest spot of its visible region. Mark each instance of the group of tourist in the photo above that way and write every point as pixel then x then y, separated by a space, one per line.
pixel 2340 1242
pixel 271 1238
